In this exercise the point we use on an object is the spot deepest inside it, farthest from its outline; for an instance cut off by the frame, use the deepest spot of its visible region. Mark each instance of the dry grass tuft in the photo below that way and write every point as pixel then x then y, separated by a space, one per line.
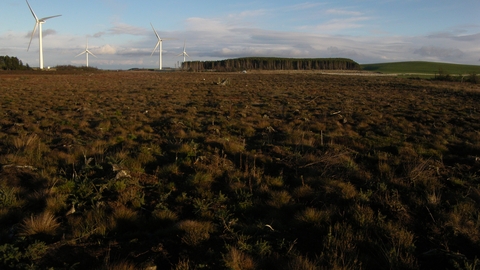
pixel 302 263
pixel 120 265
pixel 279 199
pixel 237 260
pixel 24 141
pixel 195 232
pixel 44 223
pixel 313 216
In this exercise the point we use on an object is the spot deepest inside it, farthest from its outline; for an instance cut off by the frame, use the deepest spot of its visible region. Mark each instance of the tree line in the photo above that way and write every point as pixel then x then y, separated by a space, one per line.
pixel 12 63
pixel 257 63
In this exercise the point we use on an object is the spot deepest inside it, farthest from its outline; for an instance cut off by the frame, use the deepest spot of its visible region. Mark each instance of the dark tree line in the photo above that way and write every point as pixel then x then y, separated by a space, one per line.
pixel 12 63
pixel 262 63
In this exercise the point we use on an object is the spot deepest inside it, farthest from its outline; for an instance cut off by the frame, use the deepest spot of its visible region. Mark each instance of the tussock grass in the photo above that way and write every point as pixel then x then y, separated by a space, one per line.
pixel 313 216
pixel 195 232
pixel 44 223
pixel 120 265
pixel 237 260
pixel 172 169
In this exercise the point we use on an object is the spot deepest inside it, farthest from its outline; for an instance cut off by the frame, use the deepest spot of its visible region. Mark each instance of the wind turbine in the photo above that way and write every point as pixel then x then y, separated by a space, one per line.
pixel 184 53
pixel 38 23
pixel 86 52
pixel 159 43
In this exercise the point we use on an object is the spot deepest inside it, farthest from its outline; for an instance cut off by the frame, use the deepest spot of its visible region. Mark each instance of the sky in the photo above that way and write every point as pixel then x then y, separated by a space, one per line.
pixel 120 35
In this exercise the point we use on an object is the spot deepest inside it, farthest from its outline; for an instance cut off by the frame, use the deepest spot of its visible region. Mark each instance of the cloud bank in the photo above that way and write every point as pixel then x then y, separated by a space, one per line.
pixel 319 32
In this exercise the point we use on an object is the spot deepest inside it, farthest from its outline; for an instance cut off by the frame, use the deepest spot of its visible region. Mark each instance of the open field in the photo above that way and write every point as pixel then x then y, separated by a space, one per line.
pixel 238 171
pixel 420 68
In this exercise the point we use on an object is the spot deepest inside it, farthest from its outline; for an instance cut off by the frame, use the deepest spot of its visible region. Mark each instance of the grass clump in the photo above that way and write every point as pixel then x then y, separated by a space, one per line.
pixel 44 223
pixel 195 232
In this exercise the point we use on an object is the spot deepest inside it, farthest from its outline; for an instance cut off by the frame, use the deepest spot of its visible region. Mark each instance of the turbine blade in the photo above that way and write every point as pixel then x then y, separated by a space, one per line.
pixel 158 37
pixel 89 52
pixel 184 49
pixel 33 33
pixel 46 18
pixel 158 43
pixel 33 13
pixel 81 53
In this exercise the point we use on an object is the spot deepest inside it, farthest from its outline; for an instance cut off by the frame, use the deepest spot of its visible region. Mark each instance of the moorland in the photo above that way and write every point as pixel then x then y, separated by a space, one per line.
pixel 184 170
pixel 424 69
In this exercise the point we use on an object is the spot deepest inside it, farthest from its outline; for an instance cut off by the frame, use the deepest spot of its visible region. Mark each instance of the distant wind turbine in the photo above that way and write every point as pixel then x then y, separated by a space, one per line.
pixel 38 23
pixel 86 52
pixel 159 43
pixel 184 53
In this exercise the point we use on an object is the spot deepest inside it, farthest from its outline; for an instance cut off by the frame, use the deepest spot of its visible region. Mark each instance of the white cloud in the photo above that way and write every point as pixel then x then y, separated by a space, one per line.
pixel 122 29
pixel 343 12
pixel 99 34
pixel 303 6
pixel 336 25
pixel 106 49
pixel 249 14
pixel 439 52
pixel 454 36
pixel 205 25
pixel 344 52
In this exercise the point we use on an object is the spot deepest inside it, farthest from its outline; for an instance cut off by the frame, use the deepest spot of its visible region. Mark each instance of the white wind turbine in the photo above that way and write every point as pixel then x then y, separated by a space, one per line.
pixel 86 52
pixel 38 23
pixel 184 53
pixel 159 43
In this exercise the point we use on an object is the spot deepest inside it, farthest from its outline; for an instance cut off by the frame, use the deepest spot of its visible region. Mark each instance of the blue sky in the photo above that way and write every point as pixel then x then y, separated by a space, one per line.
pixel 120 35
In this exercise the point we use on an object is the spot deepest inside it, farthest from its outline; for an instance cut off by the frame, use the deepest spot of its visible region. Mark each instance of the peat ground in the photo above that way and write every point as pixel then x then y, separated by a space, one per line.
pixel 237 171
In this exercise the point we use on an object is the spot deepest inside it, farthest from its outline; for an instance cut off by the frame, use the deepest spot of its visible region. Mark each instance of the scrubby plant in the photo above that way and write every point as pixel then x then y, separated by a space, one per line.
pixel 8 197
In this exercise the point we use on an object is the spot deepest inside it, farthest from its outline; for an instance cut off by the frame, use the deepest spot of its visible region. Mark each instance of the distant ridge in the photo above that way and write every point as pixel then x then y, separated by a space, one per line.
pixel 421 67
pixel 272 63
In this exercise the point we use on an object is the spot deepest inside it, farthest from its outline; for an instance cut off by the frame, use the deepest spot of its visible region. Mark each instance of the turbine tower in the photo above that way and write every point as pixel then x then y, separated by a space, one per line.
pixel 184 53
pixel 38 24
pixel 159 43
pixel 86 52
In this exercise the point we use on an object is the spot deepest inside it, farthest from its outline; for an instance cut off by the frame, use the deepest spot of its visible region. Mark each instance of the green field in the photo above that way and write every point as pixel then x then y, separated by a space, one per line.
pixel 422 67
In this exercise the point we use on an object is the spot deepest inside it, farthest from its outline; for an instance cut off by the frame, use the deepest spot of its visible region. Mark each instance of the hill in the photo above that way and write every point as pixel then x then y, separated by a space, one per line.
pixel 421 67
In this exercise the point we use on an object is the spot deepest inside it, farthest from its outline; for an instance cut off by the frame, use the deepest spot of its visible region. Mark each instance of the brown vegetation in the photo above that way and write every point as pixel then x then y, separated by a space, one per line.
pixel 267 171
